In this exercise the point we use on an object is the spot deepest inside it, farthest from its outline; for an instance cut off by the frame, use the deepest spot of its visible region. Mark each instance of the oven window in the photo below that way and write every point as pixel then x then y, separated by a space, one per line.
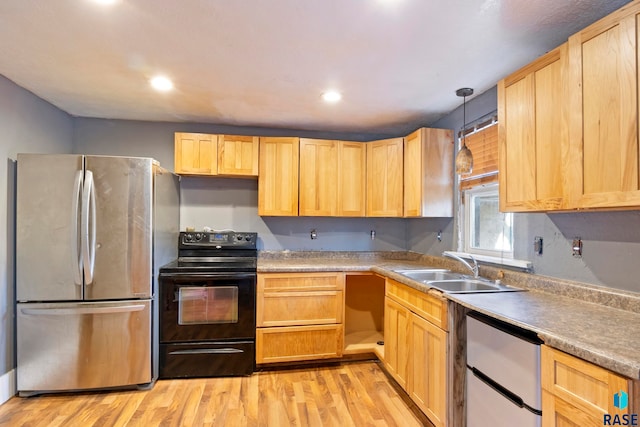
pixel 203 305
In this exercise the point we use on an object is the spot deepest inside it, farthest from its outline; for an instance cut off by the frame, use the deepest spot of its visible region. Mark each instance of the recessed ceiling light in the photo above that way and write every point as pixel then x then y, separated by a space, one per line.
pixel 106 2
pixel 331 96
pixel 161 83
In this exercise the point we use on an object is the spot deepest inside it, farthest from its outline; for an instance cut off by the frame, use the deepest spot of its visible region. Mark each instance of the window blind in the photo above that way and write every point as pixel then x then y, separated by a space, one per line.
pixel 482 140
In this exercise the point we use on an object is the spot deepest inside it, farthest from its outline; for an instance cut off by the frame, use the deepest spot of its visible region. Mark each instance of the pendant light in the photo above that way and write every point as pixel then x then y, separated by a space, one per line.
pixel 464 158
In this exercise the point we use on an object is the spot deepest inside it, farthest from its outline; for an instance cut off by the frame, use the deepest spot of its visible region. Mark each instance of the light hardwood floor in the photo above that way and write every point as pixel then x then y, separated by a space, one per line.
pixel 349 394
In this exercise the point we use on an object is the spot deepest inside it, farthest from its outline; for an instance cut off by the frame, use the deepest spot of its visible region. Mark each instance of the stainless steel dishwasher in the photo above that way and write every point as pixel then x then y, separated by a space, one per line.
pixel 503 374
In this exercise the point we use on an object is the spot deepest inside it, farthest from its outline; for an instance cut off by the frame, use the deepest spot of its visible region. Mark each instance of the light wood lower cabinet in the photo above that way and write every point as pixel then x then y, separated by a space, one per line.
pixel 416 347
pixel 299 316
pixel 428 367
pixel 578 393
pixel 396 340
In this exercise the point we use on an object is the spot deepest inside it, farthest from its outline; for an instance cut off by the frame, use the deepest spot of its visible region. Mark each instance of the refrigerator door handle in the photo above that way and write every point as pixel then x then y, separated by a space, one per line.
pixel 76 255
pixel 81 310
pixel 509 395
pixel 88 227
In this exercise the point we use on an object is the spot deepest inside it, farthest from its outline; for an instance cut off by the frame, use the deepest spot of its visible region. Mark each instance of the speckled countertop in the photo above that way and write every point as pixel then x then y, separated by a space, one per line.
pixel 597 324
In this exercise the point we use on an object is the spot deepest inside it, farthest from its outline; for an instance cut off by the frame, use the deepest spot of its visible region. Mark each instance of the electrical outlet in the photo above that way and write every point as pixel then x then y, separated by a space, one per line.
pixel 313 234
pixel 576 247
pixel 537 245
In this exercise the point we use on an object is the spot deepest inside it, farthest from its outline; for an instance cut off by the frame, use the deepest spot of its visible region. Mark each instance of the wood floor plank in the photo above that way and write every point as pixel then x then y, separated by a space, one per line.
pixel 351 394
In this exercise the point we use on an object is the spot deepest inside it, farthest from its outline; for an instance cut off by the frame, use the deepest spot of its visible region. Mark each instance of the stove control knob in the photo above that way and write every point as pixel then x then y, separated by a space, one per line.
pixel 198 236
pixel 239 237
pixel 247 238
pixel 188 237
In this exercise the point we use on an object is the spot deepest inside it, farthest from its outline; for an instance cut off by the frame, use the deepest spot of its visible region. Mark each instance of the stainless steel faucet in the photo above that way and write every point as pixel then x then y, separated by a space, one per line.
pixel 473 268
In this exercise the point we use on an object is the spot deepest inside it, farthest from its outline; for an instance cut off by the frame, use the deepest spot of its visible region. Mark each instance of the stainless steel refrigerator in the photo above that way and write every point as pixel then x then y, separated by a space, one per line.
pixel 91 234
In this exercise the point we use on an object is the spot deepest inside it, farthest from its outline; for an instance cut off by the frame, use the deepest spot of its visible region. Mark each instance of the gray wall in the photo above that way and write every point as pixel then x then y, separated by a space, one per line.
pixel 611 240
pixel 27 124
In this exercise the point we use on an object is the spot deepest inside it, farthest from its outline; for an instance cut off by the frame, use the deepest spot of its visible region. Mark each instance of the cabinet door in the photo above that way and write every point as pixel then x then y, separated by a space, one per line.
pixel 558 413
pixel 396 341
pixel 428 173
pixel 533 135
pixel 238 155
pixel 604 120
pixel 582 385
pixel 278 176
pixel 352 178
pixel 196 154
pixel 318 177
pixel 428 369
pixel 384 178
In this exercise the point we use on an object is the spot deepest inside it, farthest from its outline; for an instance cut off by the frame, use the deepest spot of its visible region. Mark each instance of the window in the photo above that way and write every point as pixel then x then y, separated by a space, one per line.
pixel 487 231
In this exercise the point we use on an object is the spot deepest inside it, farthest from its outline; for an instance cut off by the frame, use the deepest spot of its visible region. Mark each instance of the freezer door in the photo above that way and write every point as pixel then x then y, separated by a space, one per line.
pixel 48 264
pixel 487 407
pixel 117 249
pixel 73 346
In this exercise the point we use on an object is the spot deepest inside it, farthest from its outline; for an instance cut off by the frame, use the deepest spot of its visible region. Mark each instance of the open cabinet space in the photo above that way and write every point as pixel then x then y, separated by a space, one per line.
pixel 364 314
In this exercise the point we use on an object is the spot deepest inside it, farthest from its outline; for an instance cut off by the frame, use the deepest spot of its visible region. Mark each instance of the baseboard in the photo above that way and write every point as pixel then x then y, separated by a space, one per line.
pixel 7 386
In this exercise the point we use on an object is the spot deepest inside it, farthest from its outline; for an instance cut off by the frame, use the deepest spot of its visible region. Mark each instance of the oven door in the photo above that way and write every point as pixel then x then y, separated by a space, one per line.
pixel 199 307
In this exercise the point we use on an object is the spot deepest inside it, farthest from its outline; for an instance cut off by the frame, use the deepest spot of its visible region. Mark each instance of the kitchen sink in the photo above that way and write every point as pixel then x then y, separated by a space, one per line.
pixel 454 283
pixel 428 275
pixel 468 286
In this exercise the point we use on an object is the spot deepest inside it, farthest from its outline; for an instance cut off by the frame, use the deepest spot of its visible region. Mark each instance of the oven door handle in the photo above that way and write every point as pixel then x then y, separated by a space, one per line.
pixel 226 350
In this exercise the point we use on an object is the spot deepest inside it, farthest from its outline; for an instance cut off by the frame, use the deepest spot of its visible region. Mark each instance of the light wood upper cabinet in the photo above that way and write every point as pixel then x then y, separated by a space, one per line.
pixel 603 83
pixel 428 173
pixel 332 178
pixel 385 178
pixel 196 154
pixel 318 177
pixel 533 134
pixel 224 155
pixel 352 178
pixel 238 155
pixel 278 176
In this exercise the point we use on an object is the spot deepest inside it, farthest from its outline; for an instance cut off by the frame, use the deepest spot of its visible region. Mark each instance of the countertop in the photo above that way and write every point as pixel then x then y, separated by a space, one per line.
pixel 563 315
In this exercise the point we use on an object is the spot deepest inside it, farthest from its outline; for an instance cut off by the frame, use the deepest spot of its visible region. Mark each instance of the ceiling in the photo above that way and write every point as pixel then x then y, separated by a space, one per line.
pixel 265 63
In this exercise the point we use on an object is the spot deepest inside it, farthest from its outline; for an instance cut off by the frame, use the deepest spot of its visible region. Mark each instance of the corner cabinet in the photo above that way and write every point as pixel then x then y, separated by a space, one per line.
pixel 385 178
pixel 299 316
pixel 278 176
pixel 428 173
pixel 195 154
pixel 578 393
pixel 604 154
pixel 532 135
pixel 416 347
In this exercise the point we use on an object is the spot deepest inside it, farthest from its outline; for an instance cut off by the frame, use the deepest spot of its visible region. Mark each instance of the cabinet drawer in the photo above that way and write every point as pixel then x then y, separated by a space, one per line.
pixel 584 385
pixel 284 282
pixel 299 308
pixel 292 343
pixel 428 306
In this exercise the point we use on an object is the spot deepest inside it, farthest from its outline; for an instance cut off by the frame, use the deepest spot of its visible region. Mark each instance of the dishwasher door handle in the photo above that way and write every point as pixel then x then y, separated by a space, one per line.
pixel 509 395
